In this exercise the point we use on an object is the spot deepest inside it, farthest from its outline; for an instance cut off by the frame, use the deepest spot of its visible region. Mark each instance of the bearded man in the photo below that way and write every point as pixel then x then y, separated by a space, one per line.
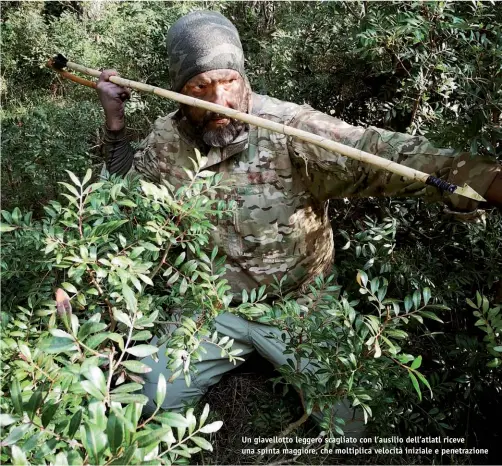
pixel 281 185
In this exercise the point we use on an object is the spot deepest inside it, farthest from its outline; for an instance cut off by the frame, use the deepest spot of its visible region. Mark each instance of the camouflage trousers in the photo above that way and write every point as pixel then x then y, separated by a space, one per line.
pixel 249 337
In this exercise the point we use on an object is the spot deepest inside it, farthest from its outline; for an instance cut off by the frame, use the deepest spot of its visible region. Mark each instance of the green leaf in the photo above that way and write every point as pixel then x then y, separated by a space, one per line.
pixel 74 423
pixel 58 345
pixel 89 328
pixel 17 400
pixel 108 228
pixel 152 436
pixel 498 349
pixel 146 279
pixel 94 442
pixel 414 381
pixel 427 295
pixel 126 458
pixel 172 419
pixel 362 278
pixel 114 432
pixel 72 189
pixel 431 315
pixel 74 178
pixel 416 363
pixel 95 375
pixel 416 299
pixel 136 366
pixel 122 316
pixel 210 428
pixel 205 413
pixel 179 259
pixel 117 338
pixel 424 381
pixel 95 340
pixel 495 362
pixel 202 443
pixel 192 421
pixel 74 459
pixel 18 456
pixel 60 333
pixel 16 434
pixel 142 351
pixel 408 303
pixel 127 398
pixel 129 297
pixel 69 287
pixel 90 388
pixel 7 419
pixel 161 390
pixel 183 286
pixel 34 403
pixel 61 459
pixel 87 177
pixel 6 228
pixel 48 413
pixel 31 442
pixel 173 279
pixel 470 303
pixel 143 335
pixel 127 388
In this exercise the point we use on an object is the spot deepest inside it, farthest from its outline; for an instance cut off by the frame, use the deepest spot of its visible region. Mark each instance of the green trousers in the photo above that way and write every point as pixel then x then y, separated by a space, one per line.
pixel 249 336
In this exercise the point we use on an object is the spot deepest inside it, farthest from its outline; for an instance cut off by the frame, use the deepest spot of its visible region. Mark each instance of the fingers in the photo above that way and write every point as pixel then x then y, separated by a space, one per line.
pixel 124 93
pixel 105 75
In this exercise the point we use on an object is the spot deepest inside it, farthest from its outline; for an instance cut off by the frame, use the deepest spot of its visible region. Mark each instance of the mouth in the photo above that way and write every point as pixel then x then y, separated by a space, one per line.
pixel 218 121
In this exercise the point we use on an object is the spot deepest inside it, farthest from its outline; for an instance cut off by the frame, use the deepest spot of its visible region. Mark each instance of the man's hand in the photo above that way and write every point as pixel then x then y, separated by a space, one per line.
pixel 112 99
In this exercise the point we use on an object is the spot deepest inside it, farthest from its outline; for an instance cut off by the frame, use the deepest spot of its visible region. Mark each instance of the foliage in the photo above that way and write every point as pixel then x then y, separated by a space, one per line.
pixel 424 67
pixel 70 374
pixel 413 247
pixel 358 355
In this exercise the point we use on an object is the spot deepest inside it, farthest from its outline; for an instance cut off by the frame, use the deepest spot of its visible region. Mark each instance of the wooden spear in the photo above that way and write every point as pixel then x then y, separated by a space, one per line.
pixel 59 62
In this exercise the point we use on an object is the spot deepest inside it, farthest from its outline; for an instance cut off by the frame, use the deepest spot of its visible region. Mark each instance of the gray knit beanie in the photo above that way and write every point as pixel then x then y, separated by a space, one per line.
pixel 202 41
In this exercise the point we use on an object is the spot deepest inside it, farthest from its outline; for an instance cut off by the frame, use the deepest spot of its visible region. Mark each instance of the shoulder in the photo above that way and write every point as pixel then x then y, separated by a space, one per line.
pixel 164 129
pixel 274 109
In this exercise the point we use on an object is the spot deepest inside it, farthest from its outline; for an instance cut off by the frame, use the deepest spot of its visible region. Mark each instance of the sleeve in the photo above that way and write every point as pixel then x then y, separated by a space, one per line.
pixel 332 175
pixel 124 160
pixel 118 150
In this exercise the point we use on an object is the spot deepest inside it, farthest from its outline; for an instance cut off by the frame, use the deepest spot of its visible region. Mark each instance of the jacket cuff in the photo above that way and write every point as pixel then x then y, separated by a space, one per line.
pixel 114 136
pixel 479 173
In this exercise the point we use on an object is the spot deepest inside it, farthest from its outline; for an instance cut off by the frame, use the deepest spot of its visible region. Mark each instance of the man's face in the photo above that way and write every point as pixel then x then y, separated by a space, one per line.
pixel 222 87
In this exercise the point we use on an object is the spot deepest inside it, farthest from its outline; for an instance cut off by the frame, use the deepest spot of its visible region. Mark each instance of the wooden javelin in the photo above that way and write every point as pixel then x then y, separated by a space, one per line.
pixel 59 62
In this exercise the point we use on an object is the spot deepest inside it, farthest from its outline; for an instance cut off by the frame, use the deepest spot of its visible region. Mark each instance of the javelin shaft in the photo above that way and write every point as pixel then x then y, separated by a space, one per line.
pixel 366 157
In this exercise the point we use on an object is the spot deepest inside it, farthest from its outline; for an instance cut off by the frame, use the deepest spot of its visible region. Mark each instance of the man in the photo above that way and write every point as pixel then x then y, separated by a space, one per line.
pixel 281 184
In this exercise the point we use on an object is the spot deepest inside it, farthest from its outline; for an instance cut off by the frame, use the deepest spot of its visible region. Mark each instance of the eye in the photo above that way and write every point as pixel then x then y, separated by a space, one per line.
pixel 200 87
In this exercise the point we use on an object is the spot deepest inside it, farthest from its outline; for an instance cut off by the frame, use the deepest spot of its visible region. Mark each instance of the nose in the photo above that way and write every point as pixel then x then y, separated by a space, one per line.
pixel 220 96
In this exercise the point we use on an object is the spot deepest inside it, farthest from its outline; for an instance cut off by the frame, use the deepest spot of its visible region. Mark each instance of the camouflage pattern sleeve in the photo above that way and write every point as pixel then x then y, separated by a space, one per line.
pixel 331 175
pixel 146 161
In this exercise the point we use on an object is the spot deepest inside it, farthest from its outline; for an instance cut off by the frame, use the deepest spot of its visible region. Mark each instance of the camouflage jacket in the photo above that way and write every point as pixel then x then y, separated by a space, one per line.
pixel 281 186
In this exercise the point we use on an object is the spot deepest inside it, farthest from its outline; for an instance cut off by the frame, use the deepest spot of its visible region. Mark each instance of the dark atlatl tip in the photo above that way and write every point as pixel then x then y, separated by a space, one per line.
pixel 59 61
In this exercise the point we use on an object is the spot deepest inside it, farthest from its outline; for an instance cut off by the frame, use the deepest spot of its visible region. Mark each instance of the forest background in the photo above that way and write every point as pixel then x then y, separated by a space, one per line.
pixel 428 68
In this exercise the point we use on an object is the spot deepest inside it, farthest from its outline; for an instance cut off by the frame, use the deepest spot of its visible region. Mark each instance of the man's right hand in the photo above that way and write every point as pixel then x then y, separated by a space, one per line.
pixel 112 99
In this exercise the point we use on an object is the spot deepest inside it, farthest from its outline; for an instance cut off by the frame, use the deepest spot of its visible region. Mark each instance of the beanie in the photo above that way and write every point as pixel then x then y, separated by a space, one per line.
pixel 202 41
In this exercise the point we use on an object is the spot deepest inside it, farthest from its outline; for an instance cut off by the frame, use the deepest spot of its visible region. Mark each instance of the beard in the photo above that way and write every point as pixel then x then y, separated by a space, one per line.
pixel 220 136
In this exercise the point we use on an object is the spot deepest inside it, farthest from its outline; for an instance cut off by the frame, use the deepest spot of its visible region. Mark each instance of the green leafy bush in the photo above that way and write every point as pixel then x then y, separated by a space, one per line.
pixel 70 377
pixel 425 67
